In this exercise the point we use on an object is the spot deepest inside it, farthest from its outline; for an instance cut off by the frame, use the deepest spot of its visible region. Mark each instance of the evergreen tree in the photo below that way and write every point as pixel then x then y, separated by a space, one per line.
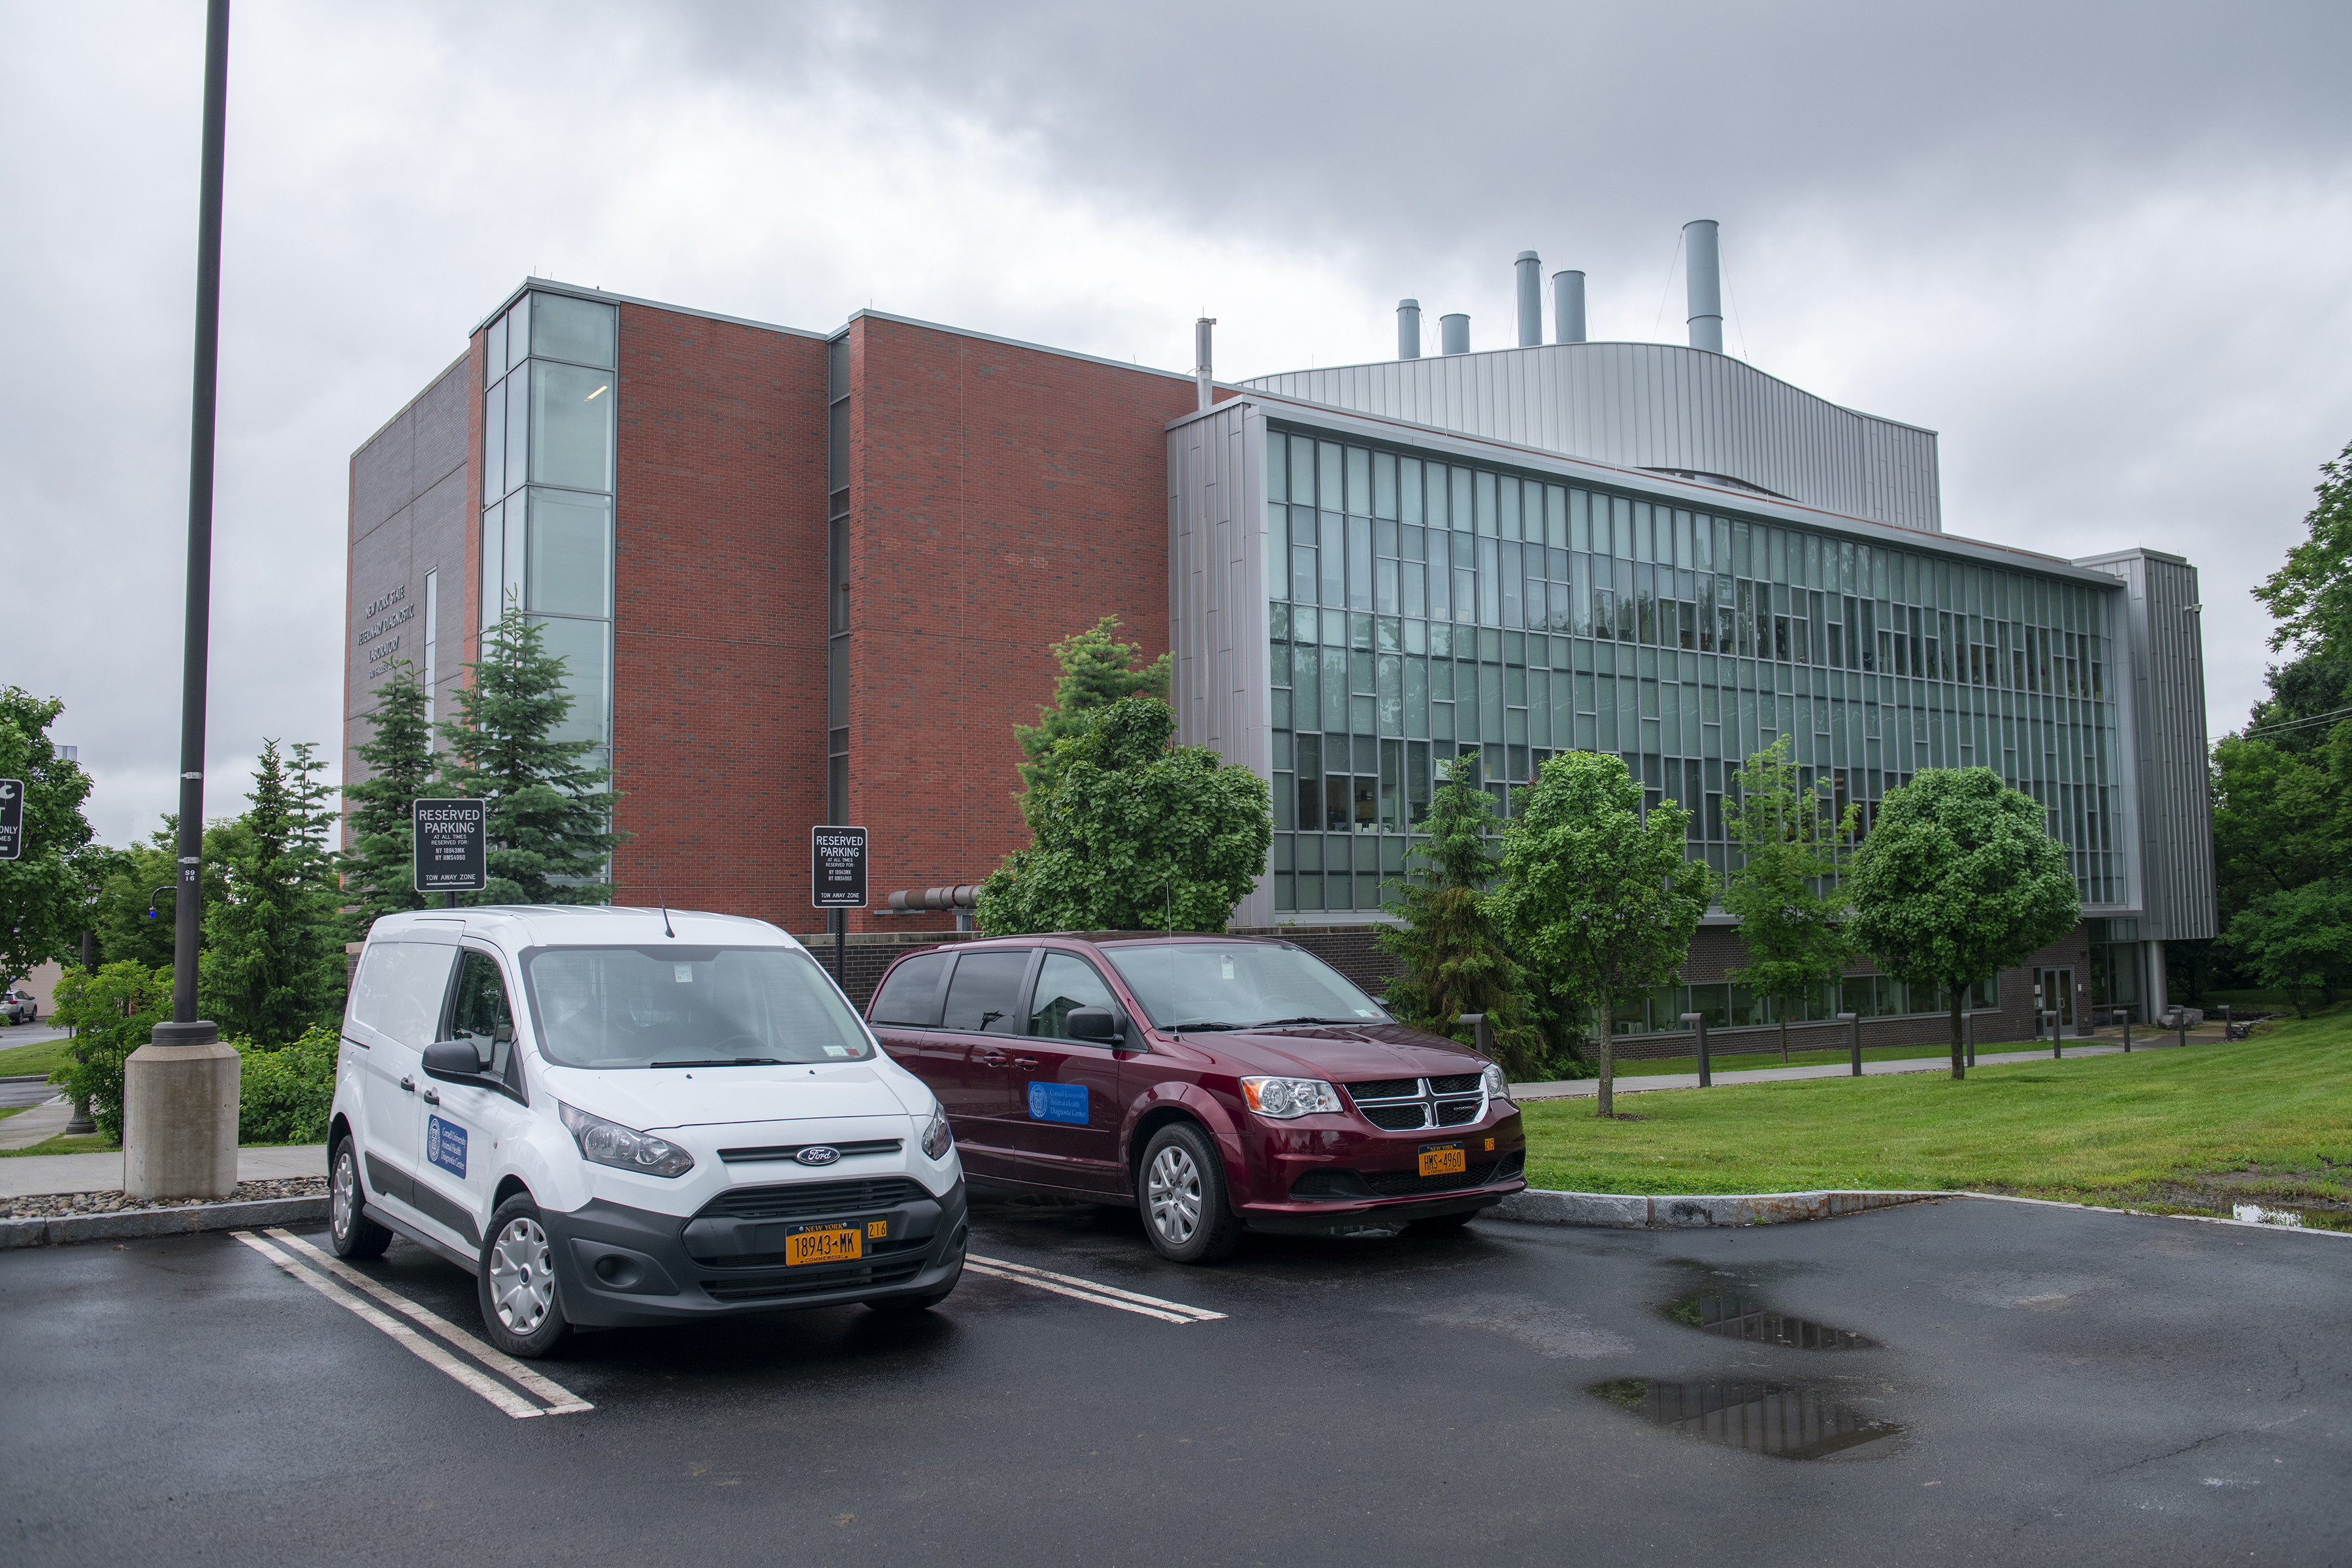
pixel 272 964
pixel 398 756
pixel 1096 672
pixel 1794 919
pixel 551 812
pixel 1455 960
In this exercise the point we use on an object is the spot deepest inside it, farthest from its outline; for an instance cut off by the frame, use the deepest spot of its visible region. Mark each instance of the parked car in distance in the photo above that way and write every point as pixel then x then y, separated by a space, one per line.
pixel 18 1006
pixel 628 1117
pixel 1216 1083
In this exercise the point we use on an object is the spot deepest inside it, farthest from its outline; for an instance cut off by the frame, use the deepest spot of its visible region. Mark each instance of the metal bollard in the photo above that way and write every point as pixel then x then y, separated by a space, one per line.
pixel 2181 1019
pixel 1697 1021
pixel 2127 1012
pixel 2057 1036
pixel 1969 1033
pixel 1854 1022
pixel 1480 1031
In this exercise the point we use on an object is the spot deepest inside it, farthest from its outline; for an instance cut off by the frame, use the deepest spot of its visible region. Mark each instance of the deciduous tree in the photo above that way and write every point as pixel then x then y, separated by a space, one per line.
pixel 1795 919
pixel 1957 880
pixel 44 896
pixel 2298 942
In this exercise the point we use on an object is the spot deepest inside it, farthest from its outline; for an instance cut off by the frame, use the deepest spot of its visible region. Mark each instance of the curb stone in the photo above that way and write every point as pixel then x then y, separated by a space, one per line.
pixel 125 1225
pixel 1680 1211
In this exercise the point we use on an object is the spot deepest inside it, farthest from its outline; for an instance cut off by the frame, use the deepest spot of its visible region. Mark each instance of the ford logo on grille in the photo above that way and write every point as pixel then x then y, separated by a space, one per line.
pixel 817 1154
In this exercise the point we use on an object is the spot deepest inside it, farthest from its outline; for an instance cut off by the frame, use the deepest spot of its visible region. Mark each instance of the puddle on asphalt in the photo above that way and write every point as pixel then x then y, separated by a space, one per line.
pixel 1786 1422
pixel 2260 1216
pixel 1734 1315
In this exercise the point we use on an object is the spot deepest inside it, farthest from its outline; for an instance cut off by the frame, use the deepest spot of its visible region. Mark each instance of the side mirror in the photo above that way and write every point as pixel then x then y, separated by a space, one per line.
pixel 1092 1024
pixel 453 1061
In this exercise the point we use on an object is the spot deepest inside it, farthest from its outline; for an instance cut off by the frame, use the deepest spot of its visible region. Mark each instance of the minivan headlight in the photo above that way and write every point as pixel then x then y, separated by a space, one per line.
pixel 1284 1098
pixel 937 1140
pixel 1494 1085
pixel 603 1143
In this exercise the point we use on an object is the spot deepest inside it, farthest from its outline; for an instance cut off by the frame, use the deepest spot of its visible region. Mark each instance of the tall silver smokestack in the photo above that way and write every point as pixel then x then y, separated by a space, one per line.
pixel 1568 307
pixel 1454 333
pixel 1703 270
pixel 1531 269
pixel 1408 329
pixel 1204 376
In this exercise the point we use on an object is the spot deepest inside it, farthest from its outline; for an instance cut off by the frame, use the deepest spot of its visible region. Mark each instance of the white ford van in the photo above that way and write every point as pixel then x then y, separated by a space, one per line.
pixel 623 1117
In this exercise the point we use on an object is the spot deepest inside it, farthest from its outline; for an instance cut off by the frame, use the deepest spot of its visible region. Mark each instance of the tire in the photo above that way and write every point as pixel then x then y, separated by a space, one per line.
pixel 1183 1196
pixel 519 1290
pixel 906 1306
pixel 349 1230
pixel 1441 1224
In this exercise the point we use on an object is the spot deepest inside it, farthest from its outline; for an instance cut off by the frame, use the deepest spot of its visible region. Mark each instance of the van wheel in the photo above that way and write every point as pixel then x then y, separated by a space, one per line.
pixel 522 1305
pixel 1184 1208
pixel 349 1229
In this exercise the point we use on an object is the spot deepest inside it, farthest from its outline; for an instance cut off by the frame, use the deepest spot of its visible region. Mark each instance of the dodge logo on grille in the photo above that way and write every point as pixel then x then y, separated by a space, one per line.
pixel 817 1154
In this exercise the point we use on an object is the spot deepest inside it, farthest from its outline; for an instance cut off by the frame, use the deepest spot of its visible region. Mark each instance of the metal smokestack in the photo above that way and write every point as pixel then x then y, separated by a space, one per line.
pixel 1568 307
pixel 1203 376
pixel 1408 329
pixel 1454 332
pixel 1703 271
pixel 1530 269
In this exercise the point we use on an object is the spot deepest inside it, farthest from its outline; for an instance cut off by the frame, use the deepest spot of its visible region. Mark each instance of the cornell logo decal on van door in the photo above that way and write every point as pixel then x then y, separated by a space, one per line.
pixel 445 1145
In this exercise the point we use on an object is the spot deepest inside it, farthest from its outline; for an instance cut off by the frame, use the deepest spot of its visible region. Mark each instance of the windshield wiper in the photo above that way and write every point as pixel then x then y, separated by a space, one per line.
pixel 725 1062
pixel 1279 1023
pixel 1206 1024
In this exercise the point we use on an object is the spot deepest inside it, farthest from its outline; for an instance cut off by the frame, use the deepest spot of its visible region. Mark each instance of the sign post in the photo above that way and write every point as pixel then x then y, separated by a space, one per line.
pixel 838 883
pixel 452 846
pixel 12 818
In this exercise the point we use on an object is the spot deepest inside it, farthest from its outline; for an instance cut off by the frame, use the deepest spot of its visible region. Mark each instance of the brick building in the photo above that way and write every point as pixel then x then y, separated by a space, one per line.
pixel 805 577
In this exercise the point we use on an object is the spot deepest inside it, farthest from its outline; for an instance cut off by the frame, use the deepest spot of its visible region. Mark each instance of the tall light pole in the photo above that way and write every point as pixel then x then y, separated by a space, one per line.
pixel 179 1089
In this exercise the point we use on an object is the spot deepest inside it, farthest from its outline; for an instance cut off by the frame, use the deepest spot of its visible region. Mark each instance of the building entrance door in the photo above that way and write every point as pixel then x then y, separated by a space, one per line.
pixel 2053 991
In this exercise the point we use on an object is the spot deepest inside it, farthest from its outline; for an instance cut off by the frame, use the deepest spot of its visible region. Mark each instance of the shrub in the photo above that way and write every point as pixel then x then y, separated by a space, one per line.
pixel 113 1010
pixel 284 1094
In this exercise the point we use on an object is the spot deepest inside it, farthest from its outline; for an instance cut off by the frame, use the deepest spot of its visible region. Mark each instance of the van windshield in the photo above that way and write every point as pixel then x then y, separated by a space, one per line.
pixel 1200 984
pixel 674 1006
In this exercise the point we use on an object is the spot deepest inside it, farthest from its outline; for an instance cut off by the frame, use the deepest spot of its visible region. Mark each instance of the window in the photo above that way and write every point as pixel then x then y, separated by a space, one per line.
pixel 571 427
pixel 399 988
pixel 675 1005
pixel 432 641
pixel 580 330
pixel 569 568
pixel 479 1012
pixel 984 993
pixel 910 997
pixel 1064 985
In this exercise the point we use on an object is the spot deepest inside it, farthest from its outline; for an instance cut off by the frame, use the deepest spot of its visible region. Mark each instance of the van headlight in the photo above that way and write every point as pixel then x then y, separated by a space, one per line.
pixel 1284 1098
pixel 937 1140
pixel 603 1143
pixel 1493 1084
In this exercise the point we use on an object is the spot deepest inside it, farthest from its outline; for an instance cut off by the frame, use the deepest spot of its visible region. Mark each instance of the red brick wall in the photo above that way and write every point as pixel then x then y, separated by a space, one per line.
pixel 718 614
pixel 1001 498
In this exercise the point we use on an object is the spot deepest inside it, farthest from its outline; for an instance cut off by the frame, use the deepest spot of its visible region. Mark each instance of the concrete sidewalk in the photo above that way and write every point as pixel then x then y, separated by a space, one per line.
pixel 35 1174
pixel 2077 1049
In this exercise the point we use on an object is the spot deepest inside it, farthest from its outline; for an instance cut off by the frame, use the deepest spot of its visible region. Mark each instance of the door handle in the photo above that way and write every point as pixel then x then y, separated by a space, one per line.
pixel 1025 1063
pixel 432 1097
pixel 409 1084
pixel 992 1057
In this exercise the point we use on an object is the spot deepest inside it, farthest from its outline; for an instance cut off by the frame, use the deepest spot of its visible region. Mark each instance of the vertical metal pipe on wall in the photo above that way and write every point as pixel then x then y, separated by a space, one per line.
pixel 1568 307
pixel 1408 329
pixel 1203 362
pixel 1703 276
pixel 1531 270
pixel 1454 333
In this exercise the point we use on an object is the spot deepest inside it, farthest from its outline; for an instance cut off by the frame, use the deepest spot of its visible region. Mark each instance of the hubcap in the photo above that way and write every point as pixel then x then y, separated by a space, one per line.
pixel 1175 1195
pixel 522 1274
pixel 344 1197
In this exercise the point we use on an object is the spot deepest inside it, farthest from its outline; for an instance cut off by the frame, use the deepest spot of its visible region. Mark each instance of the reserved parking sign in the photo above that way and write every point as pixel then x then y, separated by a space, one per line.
pixel 453 846
pixel 838 868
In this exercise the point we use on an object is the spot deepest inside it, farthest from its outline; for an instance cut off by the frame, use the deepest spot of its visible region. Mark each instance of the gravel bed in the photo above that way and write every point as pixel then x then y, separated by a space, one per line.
pixel 55 1206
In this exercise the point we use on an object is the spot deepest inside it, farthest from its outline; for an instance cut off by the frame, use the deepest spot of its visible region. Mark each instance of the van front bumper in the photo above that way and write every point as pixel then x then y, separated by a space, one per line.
pixel 619 1266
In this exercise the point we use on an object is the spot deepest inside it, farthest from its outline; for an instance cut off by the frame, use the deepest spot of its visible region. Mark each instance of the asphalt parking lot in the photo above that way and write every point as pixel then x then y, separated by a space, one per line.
pixel 2041 1385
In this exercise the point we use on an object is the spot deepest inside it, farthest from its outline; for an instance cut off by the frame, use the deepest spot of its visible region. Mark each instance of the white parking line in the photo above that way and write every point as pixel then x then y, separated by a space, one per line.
pixel 415 1343
pixel 560 1401
pixel 1088 1290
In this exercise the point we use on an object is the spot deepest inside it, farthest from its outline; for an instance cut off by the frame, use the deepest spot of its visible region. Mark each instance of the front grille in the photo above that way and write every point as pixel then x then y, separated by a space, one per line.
pixel 784 1289
pixel 1460 1083
pixel 1385 1089
pixel 1455 1112
pixel 1396 1118
pixel 798 1200
pixel 786 1151
pixel 1406 1185
pixel 1409 1104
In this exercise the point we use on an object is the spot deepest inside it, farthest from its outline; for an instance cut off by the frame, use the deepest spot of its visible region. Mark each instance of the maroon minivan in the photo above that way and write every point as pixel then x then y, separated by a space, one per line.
pixel 1216 1083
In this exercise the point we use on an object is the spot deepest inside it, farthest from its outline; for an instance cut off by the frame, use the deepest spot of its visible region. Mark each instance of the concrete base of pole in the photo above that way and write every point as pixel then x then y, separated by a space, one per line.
pixel 179 1115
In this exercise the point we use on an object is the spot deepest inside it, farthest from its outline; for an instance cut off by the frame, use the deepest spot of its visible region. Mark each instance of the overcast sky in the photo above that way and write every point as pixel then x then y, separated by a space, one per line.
pixel 2101 249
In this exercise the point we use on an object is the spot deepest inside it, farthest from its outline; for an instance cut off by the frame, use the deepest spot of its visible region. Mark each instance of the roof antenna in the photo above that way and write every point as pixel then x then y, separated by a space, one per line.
pixel 662 895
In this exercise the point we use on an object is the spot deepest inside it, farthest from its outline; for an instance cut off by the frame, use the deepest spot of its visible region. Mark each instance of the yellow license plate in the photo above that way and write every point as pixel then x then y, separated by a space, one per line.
pixel 1444 1159
pixel 829 1246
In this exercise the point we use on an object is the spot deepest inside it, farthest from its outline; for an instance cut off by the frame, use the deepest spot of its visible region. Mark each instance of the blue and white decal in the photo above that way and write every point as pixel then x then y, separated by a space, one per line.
pixel 1058 1102
pixel 445 1145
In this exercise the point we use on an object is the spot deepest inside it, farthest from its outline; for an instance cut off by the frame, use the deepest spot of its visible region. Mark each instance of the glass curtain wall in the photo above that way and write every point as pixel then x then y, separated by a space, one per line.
pixel 1422 611
pixel 548 430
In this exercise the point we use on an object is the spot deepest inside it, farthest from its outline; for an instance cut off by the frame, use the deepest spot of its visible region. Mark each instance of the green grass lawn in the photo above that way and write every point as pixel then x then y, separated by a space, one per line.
pixel 2267 1119
pixel 47 1057
pixel 94 1143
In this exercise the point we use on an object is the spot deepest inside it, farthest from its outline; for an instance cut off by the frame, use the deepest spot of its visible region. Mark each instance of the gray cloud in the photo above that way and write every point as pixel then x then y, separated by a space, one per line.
pixel 2093 246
